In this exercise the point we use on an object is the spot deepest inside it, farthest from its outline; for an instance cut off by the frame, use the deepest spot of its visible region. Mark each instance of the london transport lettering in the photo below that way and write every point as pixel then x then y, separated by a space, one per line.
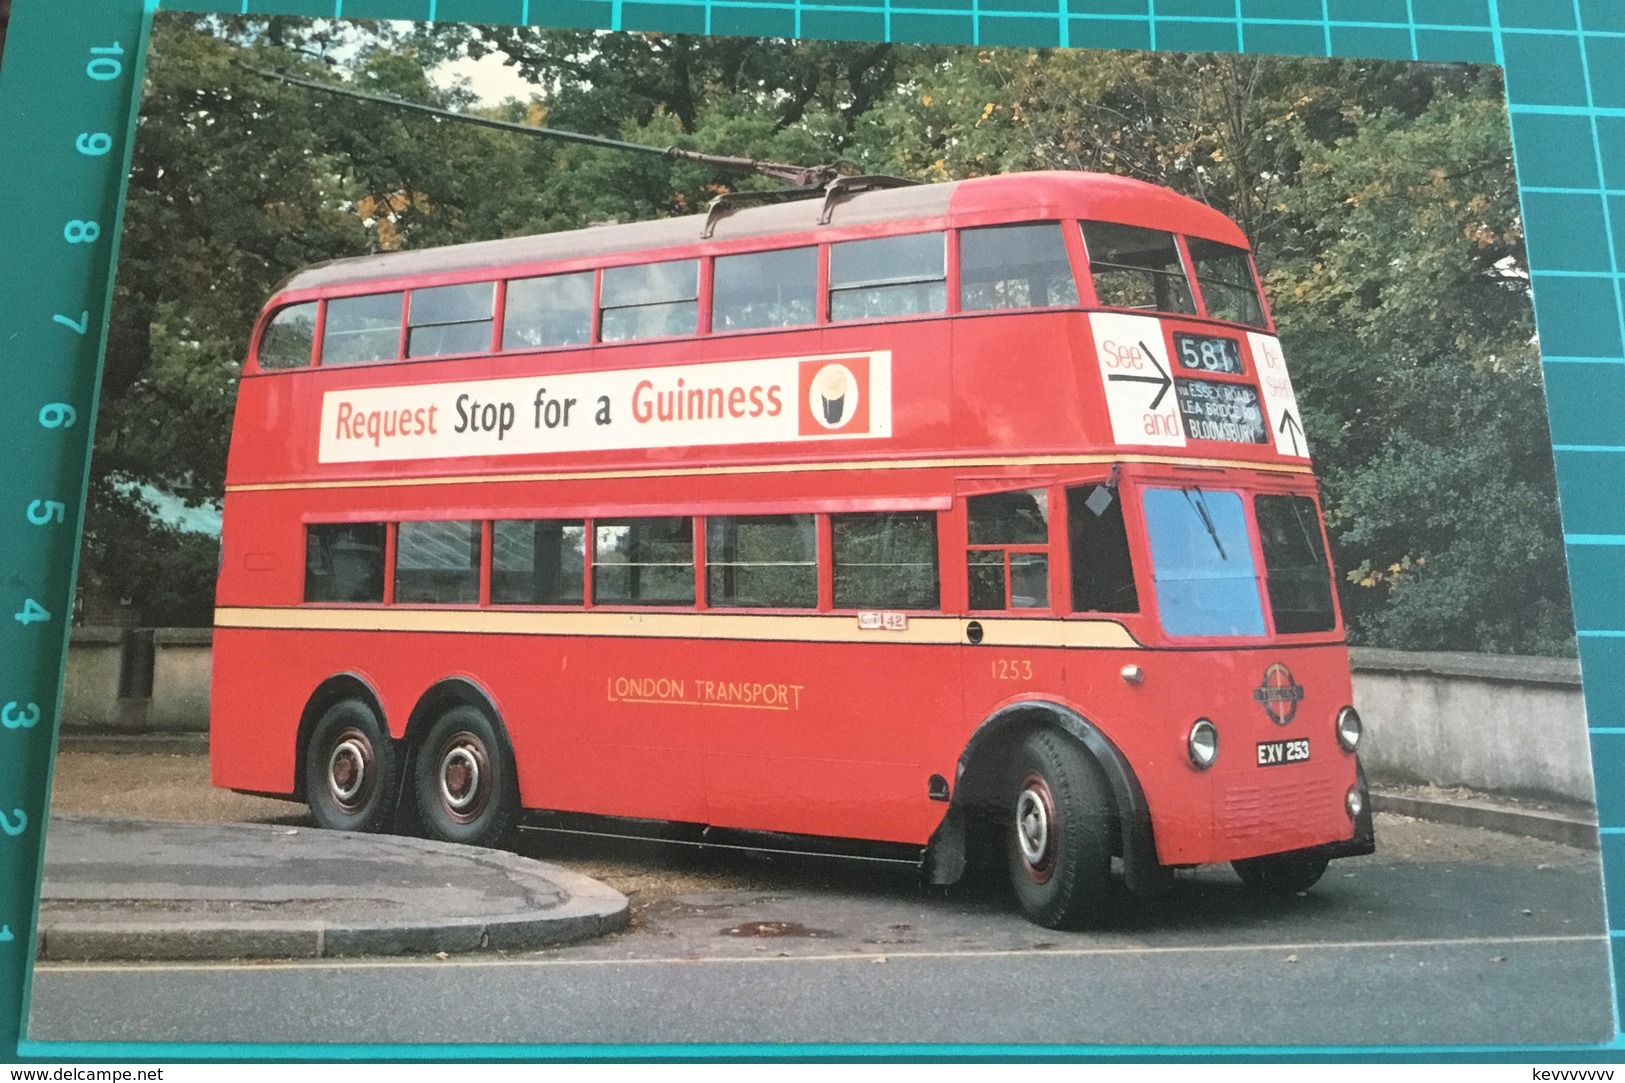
pixel 730 402
pixel 694 692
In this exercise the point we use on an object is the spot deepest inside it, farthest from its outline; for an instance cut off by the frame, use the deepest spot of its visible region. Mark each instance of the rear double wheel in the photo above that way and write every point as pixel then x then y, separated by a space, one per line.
pixel 463 779
pixel 1059 837
pixel 351 769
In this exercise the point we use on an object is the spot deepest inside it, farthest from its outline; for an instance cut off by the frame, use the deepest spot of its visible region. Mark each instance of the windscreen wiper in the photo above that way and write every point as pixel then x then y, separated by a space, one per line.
pixel 1200 504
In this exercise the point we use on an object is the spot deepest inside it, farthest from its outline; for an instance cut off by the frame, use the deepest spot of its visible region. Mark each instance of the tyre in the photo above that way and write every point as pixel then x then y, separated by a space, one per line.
pixel 1059 833
pixel 464 780
pixel 1280 874
pixel 351 769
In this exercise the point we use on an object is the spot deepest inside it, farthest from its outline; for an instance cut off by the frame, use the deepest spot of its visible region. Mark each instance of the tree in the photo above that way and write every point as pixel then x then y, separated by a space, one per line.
pixel 1406 312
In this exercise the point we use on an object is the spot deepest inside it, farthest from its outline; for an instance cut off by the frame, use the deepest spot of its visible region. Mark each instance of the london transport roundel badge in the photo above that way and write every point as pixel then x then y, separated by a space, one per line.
pixel 1279 694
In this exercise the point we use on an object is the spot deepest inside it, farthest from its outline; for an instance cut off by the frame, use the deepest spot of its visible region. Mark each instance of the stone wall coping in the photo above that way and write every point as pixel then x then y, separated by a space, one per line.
pixel 183 637
pixel 102 635
pixel 1508 668
pixel 95 635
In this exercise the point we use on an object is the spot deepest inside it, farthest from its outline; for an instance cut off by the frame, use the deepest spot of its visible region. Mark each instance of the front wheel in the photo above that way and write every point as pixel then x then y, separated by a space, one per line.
pixel 464 780
pixel 351 770
pixel 1281 874
pixel 1059 853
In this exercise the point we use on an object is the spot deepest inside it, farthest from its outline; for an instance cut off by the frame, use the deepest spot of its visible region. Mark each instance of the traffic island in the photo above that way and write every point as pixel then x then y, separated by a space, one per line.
pixel 139 889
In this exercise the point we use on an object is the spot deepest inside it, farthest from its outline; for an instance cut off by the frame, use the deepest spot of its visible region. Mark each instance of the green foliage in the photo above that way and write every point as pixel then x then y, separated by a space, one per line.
pixel 168 574
pixel 1402 298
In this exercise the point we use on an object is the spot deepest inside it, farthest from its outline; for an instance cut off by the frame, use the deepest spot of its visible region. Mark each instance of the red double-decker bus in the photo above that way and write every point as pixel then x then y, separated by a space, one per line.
pixel 911 523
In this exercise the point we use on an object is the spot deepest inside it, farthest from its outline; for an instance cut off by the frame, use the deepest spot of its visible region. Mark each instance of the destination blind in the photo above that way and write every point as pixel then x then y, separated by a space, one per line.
pixel 1225 411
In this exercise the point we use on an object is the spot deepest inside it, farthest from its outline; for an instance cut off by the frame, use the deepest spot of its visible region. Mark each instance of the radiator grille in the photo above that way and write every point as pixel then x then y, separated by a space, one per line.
pixel 1251 811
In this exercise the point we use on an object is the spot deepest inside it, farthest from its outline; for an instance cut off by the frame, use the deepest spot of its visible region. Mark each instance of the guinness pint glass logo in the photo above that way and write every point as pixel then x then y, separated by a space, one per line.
pixel 835 397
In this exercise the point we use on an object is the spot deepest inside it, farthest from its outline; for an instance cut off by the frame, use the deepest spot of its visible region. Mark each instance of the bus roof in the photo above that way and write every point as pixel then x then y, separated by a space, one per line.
pixel 1010 197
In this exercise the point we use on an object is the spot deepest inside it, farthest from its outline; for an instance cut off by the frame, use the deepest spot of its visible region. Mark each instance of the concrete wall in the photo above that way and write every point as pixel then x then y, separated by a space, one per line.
pixel 180 680
pixel 90 696
pixel 115 684
pixel 1494 723
pixel 1491 723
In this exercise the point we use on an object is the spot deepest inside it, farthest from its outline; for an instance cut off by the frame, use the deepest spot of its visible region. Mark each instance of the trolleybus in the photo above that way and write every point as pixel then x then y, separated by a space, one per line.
pixel 910 523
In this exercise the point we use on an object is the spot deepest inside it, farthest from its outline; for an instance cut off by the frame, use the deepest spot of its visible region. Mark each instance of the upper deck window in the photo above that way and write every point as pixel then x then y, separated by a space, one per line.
pixel 888 276
pixel 651 300
pixel 289 337
pixel 1014 267
pixel 362 329
pixel 551 311
pixel 1225 276
pixel 1137 268
pixel 450 319
pixel 765 289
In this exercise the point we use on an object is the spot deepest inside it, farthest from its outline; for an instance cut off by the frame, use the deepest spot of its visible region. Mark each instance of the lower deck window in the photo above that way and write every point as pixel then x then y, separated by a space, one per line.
pixel 643 561
pixel 885 560
pixel 438 563
pixel 344 562
pixel 1015 574
pixel 538 562
pixel 764 561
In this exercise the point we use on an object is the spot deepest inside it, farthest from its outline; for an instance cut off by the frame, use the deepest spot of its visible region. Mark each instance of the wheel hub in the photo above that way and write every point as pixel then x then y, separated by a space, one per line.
pixel 464 787
pixel 349 769
pixel 1035 817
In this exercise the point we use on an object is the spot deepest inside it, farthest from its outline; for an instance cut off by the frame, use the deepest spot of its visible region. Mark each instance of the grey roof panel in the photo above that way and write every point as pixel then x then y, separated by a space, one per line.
pixel 1009 196
pixel 919 201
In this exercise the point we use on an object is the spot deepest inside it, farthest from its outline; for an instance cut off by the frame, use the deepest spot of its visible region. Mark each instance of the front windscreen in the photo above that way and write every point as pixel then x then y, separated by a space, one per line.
pixel 1295 566
pixel 1202 563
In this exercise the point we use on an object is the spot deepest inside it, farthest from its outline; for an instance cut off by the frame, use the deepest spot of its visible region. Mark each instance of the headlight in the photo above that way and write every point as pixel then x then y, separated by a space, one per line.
pixel 1354 802
pixel 1349 729
pixel 1203 744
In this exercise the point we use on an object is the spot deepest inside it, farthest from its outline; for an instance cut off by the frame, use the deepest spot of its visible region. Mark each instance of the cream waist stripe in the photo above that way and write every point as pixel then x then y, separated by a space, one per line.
pixel 809 628
pixel 1047 461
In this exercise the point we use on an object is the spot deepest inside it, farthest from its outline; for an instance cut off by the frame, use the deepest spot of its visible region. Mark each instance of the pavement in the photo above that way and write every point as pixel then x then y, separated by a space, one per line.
pixel 140 889
pixel 144 889
pixel 1562 822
